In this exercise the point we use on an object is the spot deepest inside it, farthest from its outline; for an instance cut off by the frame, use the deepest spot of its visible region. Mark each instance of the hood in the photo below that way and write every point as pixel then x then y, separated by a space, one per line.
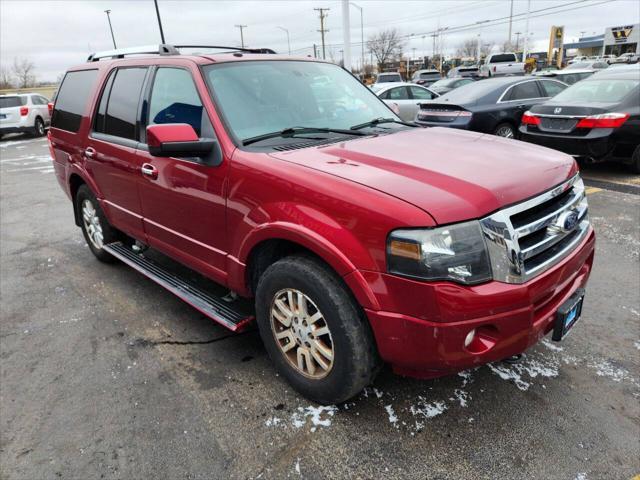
pixel 451 174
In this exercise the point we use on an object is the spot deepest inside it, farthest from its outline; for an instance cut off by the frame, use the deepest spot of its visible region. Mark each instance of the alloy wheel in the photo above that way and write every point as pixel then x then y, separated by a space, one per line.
pixel 92 224
pixel 301 333
pixel 505 131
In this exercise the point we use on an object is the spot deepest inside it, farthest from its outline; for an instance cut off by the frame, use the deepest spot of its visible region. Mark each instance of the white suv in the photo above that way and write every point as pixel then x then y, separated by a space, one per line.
pixel 24 113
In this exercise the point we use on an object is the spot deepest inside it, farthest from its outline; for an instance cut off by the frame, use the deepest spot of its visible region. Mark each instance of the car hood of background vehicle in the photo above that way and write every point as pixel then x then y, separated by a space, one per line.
pixel 453 175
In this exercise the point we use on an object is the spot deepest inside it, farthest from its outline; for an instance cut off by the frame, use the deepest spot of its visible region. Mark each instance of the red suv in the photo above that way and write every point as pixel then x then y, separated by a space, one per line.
pixel 350 236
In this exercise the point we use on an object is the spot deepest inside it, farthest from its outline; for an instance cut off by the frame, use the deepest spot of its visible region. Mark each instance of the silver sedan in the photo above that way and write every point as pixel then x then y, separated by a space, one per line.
pixel 405 98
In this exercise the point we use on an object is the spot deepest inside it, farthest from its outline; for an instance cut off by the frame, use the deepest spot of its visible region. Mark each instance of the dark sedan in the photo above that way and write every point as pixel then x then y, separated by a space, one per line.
pixel 596 119
pixel 493 106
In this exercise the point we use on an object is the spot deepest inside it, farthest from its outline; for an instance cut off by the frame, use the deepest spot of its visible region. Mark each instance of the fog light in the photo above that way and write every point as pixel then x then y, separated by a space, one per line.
pixel 469 338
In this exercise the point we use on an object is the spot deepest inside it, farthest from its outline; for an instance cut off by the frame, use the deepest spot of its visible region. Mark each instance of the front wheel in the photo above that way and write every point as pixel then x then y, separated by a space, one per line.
pixel 95 227
pixel 314 331
pixel 505 130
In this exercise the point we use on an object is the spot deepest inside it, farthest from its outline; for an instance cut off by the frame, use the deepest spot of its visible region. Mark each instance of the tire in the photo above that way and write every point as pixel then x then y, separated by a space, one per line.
pixel 635 160
pixel 354 359
pixel 95 227
pixel 38 128
pixel 505 130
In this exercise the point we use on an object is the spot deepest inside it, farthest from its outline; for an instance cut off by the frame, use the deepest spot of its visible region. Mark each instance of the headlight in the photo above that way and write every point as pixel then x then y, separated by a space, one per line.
pixel 456 252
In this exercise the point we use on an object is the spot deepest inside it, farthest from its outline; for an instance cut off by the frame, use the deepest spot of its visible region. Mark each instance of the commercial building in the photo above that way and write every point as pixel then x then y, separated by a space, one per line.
pixel 614 41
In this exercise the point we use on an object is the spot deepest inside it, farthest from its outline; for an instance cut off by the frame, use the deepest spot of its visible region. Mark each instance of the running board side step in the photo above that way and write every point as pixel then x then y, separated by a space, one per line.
pixel 229 314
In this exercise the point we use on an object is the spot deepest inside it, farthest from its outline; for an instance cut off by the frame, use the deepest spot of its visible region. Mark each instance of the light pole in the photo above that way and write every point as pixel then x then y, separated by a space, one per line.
pixel 241 27
pixel 111 28
pixel 361 34
pixel 288 42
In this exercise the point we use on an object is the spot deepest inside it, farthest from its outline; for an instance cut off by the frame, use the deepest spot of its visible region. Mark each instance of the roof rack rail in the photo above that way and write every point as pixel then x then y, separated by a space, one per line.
pixel 166 49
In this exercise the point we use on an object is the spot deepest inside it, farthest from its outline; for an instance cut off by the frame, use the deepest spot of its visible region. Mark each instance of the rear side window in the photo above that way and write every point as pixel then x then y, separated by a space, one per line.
pixel 72 98
pixel 503 58
pixel 174 99
pixel 523 91
pixel 8 102
pixel 551 88
pixel 121 115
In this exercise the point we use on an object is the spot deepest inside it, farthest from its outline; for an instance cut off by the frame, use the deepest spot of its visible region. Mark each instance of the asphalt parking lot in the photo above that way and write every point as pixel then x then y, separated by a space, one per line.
pixel 105 375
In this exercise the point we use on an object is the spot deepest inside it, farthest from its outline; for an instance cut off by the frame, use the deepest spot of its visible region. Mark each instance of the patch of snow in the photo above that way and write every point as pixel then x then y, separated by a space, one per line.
pixel 272 422
pixel 462 396
pixel 581 476
pixel 530 366
pixel 604 368
pixel 393 418
pixel 550 345
pixel 315 414
pixel 636 344
pixel 427 409
pixel 297 466
pixel 509 374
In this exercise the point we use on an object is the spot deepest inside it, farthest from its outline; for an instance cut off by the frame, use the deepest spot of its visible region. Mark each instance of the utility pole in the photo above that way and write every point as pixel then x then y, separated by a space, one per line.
pixel 111 28
pixel 525 50
pixel 315 51
pixel 288 42
pixel 159 21
pixel 517 34
pixel 241 27
pixel 510 21
pixel 322 29
pixel 582 33
pixel 346 36
pixel 361 35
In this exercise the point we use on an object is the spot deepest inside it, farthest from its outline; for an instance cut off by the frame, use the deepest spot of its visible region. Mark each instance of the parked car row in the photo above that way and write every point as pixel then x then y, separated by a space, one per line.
pixel 592 116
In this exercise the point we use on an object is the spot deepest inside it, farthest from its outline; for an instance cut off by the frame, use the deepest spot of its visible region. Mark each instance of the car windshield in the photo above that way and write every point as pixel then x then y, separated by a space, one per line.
pixel 6 102
pixel 471 93
pixel 575 66
pixel 260 97
pixel 600 91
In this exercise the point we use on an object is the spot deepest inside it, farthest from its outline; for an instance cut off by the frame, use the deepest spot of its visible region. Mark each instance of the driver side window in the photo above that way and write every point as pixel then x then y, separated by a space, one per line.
pixel 174 99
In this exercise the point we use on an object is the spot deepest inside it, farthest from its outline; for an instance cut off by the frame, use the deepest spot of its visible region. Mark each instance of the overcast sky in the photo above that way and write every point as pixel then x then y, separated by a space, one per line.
pixel 57 34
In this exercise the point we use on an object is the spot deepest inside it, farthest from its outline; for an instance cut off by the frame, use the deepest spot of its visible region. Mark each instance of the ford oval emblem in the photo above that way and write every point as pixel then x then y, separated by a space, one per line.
pixel 566 222
pixel 557 110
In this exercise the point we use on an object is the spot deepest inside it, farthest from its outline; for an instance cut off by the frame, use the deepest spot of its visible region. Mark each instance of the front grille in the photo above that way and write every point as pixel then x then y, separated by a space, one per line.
pixel 528 238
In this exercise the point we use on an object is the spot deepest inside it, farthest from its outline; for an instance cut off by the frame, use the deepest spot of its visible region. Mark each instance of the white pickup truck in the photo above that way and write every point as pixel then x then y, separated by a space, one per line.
pixel 501 64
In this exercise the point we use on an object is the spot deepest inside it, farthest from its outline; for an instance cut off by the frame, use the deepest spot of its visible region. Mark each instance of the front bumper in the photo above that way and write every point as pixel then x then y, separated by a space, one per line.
pixel 421 327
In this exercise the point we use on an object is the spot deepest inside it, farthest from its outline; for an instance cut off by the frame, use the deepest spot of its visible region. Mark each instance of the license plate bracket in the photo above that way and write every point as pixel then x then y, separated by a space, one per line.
pixel 567 315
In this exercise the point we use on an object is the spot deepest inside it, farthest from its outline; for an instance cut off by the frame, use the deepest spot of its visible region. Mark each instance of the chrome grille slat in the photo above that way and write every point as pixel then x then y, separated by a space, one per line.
pixel 548 226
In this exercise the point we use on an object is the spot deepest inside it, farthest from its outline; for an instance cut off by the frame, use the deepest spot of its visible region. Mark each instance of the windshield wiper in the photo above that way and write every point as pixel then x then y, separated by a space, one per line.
pixel 378 121
pixel 291 131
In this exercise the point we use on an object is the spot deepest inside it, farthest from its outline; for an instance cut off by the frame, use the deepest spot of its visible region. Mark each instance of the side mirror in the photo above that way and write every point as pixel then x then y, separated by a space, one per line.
pixel 177 140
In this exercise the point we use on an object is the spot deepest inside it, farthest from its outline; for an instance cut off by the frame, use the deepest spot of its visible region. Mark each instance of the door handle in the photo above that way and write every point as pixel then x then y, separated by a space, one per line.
pixel 90 152
pixel 149 170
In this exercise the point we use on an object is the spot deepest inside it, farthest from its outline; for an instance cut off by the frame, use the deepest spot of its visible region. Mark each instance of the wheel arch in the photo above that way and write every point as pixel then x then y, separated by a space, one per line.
pixel 75 182
pixel 266 249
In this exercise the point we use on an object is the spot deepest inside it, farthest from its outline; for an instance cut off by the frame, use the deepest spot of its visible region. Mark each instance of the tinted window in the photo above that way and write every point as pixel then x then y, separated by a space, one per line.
pixel 98 125
pixel 122 109
pixel 421 93
pixel 523 91
pixel 389 78
pixel 399 93
pixel 502 58
pixel 72 98
pixel 606 90
pixel 175 99
pixel 430 76
pixel 7 102
pixel 552 88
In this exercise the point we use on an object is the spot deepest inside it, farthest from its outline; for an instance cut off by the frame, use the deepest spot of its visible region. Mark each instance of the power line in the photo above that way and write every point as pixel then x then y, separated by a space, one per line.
pixel 322 29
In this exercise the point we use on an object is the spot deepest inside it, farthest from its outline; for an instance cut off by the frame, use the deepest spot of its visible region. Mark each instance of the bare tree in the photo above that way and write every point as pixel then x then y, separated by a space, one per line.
pixel 23 70
pixel 469 48
pixel 6 80
pixel 385 45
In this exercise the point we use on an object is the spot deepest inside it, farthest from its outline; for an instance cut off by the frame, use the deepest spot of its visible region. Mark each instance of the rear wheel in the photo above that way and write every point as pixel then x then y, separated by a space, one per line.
pixel 505 130
pixel 313 330
pixel 95 227
pixel 38 127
